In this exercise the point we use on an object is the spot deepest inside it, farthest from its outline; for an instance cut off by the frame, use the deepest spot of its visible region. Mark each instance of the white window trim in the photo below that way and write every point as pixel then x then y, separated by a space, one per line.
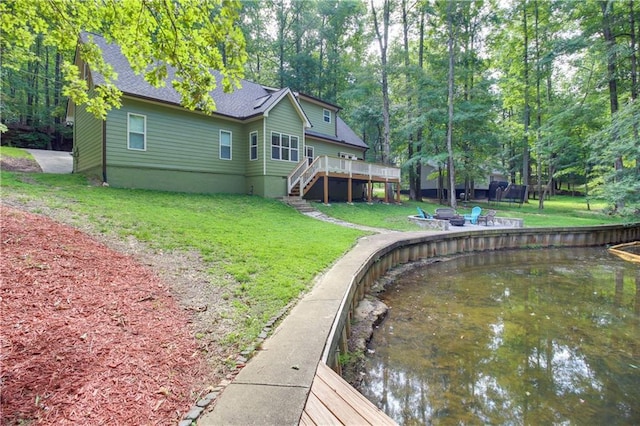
pixel 230 145
pixel 251 135
pixel 289 148
pixel 325 115
pixel 144 134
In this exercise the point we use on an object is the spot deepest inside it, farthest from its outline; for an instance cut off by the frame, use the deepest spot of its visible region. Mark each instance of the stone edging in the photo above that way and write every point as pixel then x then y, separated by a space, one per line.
pixel 201 404
pixel 443 225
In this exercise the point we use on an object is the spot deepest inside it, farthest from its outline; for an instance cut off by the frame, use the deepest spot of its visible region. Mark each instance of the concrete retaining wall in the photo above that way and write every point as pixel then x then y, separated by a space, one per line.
pixel 417 247
pixel 443 225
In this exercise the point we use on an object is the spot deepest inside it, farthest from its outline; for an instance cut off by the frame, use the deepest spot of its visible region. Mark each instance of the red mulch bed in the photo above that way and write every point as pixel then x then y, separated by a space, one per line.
pixel 88 336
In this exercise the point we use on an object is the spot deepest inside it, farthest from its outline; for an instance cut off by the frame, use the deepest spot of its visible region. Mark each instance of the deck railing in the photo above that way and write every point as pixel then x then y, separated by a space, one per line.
pixel 325 164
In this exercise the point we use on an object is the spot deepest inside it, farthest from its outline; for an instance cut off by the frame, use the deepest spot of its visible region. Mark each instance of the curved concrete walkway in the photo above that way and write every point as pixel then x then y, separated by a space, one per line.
pixel 60 162
pixel 323 217
pixel 272 388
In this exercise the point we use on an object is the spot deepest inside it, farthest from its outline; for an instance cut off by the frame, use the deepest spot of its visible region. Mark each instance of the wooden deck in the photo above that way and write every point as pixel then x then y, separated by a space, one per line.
pixel 305 175
pixel 332 401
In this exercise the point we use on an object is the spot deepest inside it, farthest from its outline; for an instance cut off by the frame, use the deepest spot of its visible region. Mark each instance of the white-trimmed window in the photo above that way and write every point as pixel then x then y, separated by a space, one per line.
pixel 284 147
pixel 308 152
pixel 253 146
pixel 137 132
pixel 326 114
pixel 225 144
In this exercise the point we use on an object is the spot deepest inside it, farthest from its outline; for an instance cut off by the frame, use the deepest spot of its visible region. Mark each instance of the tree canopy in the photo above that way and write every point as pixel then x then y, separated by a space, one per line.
pixel 191 36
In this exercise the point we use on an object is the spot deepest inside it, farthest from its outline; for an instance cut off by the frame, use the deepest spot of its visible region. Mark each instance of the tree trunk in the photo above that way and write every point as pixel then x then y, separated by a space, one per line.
pixel 383 43
pixel 607 10
pixel 57 88
pixel 413 194
pixel 418 176
pixel 538 107
pixel 527 109
pixel 282 17
pixel 451 167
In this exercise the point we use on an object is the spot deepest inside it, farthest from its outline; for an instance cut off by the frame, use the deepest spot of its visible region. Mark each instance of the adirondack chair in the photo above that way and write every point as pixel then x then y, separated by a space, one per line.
pixel 423 214
pixel 486 218
pixel 473 217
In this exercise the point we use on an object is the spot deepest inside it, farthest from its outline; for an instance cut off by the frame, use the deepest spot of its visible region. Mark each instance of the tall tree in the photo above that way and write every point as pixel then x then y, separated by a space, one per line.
pixel 526 119
pixel 610 40
pixel 382 35
pixel 412 144
pixel 450 85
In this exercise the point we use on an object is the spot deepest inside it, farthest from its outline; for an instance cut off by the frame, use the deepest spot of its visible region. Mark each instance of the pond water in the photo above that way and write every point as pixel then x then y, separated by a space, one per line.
pixel 511 337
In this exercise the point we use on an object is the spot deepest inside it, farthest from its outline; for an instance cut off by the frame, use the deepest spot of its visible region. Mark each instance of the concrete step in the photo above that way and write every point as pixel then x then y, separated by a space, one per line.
pixel 299 204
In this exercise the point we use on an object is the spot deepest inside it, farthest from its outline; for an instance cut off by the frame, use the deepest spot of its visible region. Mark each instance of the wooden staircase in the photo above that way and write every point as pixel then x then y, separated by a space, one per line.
pixel 295 191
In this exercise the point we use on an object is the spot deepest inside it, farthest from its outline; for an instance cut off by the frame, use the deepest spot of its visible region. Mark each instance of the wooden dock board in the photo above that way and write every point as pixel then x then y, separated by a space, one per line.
pixel 332 401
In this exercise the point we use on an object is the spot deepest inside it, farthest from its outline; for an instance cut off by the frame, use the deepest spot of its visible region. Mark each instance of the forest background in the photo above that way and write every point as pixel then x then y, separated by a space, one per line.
pixel 542 91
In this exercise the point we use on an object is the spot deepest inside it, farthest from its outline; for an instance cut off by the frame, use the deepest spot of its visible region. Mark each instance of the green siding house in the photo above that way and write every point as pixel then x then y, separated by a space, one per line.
pixel 252 144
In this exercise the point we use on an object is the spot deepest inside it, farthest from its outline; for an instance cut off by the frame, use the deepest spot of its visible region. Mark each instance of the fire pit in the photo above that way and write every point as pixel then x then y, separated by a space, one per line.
pixel 457 221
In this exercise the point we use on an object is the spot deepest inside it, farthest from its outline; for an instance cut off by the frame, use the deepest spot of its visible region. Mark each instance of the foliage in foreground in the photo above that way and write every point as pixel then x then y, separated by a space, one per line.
pixel 150 34
pixel 263 253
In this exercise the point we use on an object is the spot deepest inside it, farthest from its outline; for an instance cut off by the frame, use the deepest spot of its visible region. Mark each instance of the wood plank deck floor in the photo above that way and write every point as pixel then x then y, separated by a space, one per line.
pixel 332 401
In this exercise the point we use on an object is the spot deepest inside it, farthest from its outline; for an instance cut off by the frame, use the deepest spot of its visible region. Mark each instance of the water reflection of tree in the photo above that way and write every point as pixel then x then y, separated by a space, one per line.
pixel 493 351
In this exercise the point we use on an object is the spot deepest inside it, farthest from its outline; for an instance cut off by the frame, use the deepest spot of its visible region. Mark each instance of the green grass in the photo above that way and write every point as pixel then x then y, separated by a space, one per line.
pixel 558 211
pixel 261 252
pixel 266 253
pixel 7 151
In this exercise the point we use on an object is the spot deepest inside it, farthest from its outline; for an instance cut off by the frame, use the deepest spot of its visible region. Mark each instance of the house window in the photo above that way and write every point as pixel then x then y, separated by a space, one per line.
pixel 326 115
pixel 309 153
pixel 284 147
pixel 137 132
pixel 253 146
pixel 225 145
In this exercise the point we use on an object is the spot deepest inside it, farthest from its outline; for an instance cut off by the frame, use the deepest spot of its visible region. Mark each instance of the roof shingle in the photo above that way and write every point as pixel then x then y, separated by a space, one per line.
pixel 250 100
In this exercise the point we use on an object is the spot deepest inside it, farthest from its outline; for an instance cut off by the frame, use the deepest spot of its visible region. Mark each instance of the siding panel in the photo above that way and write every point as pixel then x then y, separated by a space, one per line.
pixel 176 140
pixel 315 114
pixel 283 119
pixel 87 146
pixel 332 149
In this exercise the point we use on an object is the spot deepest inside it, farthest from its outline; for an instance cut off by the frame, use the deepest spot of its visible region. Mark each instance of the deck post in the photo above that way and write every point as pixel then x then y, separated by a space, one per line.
pixel 349 191
pixel 386 192
pixel 398 192
pixel 326 188
pixel 370 191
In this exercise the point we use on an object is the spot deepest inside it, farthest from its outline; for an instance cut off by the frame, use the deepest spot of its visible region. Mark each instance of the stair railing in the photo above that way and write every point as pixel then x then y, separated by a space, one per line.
pixel 304 173
pixel 296 173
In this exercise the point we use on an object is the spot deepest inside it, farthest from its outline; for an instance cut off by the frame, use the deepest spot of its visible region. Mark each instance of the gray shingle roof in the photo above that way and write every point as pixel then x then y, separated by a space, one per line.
pixel 344 135
pixel 250 100
pixel 239 104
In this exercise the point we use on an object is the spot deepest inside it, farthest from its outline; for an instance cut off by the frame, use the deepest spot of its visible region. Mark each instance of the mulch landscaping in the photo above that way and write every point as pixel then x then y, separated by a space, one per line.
pixel 88 335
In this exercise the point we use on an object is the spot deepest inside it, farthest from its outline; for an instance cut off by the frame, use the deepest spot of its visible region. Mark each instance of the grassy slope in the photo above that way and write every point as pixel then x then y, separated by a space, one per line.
pixel 270 251
pixel 264 252
pixel 7 151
